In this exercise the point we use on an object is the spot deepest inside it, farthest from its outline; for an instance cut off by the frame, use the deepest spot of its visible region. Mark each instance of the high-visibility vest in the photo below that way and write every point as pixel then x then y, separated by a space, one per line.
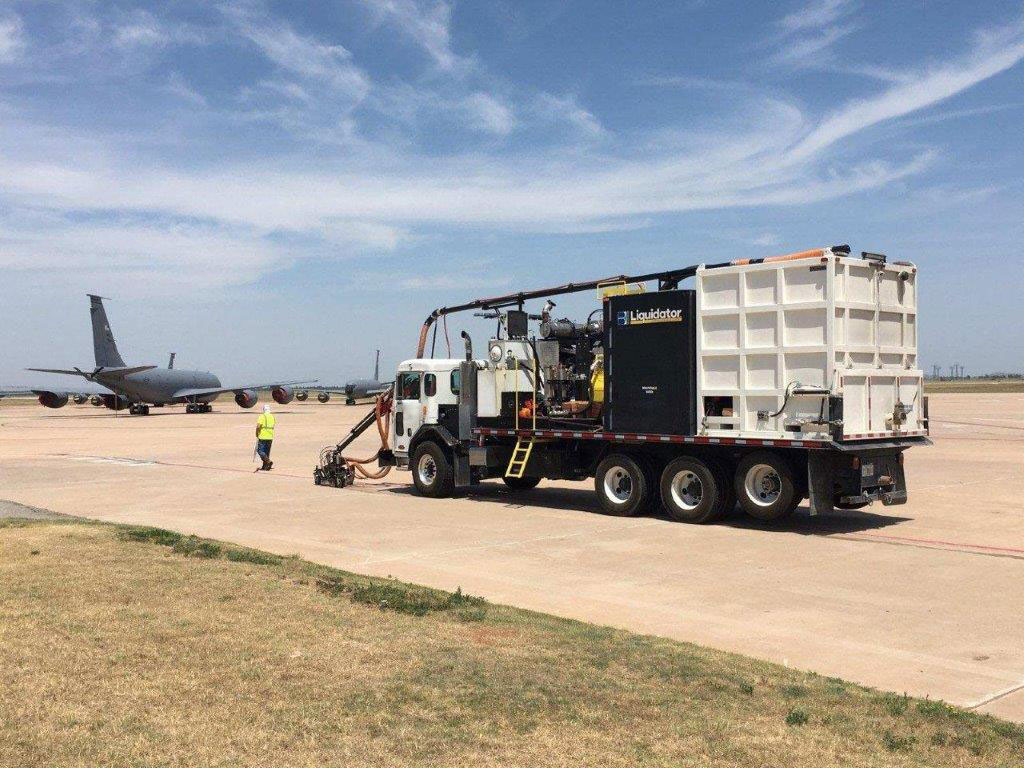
pixel 266 425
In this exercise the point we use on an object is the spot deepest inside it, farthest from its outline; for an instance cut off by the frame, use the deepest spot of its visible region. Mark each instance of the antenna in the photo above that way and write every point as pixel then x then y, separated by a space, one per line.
pixel 376 368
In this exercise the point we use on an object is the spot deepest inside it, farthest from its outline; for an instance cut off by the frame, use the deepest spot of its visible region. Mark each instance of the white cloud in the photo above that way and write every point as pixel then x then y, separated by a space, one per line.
pixel 765 240
pixel 487 113
pixel 807 35
pixel 993 53
pixel 329 65
pixel 818 13
pixel 425 23
pixel 12 41
pixel 803 50
pixel 379 195
pixel 567 109
pixel 177 86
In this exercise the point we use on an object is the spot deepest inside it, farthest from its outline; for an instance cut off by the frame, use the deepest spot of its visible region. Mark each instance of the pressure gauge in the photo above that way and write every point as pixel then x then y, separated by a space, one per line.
pixel 495 353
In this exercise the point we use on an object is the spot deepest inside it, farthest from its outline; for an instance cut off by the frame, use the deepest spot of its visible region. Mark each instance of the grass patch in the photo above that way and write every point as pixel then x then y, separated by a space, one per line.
pixel 404 598
pixel 114 650
pixel 797 717
pixel 253 556
pixel 193 546
pixel 974 386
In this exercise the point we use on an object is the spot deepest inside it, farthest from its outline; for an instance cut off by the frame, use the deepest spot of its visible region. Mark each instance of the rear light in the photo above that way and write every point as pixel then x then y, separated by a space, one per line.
pixel 856 462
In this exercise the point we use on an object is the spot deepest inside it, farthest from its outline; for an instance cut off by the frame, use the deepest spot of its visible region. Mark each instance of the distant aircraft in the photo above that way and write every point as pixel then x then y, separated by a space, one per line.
pixel 356 389
pixel 138 387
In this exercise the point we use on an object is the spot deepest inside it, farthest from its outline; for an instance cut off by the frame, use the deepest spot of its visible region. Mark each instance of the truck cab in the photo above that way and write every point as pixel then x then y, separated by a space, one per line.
pixel 426 393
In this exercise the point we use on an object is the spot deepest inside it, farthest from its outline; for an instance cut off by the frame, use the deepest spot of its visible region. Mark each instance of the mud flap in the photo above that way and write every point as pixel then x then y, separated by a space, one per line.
pixel 463 475
pixel 819 482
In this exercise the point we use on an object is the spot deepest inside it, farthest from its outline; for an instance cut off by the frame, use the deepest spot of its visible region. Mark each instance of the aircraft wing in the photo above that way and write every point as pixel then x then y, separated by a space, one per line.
pixel 199 392
pixel 15 392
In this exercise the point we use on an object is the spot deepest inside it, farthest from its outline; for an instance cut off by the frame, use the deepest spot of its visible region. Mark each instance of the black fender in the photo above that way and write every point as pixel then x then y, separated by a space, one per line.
pixel 456 450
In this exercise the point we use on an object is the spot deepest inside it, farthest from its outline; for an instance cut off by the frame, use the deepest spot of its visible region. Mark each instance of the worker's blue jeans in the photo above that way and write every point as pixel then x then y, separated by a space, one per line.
pixel 263 449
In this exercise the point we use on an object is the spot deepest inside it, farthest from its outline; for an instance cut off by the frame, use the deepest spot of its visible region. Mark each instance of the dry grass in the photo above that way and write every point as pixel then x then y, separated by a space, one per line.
pixel 974 386
pixel 127 648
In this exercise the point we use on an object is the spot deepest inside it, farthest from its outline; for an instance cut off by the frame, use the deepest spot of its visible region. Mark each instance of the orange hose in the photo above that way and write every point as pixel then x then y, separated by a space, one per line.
pixel 382 409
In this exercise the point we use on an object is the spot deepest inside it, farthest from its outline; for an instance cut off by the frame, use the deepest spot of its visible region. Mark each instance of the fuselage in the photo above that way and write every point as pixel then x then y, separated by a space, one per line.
pixel 159 385
pixel 365 387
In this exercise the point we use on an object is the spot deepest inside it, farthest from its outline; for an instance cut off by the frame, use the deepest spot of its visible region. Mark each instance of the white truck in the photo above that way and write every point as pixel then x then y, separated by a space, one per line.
pixel 769 382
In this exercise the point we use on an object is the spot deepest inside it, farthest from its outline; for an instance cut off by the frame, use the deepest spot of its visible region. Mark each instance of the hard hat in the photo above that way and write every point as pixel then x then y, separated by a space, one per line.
pixel 266 408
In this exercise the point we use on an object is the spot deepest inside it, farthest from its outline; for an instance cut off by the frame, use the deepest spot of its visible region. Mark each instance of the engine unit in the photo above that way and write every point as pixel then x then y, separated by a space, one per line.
pixel 649 363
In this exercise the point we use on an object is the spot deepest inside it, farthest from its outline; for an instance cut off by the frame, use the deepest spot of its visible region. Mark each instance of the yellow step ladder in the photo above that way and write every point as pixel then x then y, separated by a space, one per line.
pixel 520 458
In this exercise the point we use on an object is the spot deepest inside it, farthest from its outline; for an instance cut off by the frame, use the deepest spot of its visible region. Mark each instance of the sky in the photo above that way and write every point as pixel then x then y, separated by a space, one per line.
pixel 274 189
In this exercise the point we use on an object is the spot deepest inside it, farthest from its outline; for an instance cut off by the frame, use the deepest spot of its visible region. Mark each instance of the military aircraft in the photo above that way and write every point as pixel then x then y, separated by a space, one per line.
pixel 138 387
pixel 356 389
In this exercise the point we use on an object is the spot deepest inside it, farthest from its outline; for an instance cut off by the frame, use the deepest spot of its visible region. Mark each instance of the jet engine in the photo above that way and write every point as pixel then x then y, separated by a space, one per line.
pixel 246 398
pixel 323 397
pixel 115 402
pixel 96 400
pixel 53 399
pixel 301 395
pixel 79 398
pixel 282 395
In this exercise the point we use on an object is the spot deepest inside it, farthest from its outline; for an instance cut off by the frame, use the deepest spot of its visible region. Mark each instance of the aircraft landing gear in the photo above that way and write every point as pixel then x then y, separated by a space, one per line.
pixel 198 408
pixel 138 409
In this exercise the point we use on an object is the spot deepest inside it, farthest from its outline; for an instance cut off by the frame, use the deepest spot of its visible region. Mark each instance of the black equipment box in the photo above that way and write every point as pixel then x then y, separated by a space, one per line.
pixel 650 363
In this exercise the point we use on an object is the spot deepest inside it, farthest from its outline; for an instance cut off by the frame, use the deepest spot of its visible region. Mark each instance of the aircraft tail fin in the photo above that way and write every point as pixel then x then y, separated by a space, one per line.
pixel 376 368
pixel 103 342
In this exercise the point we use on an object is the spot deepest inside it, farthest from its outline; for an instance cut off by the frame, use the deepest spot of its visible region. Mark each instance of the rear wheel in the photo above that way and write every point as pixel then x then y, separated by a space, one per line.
pixel 432 471
pixel 521 483
pixel 621 486
pixel 765 486
pixel 850 506
pixel 689 490
pixel 724 471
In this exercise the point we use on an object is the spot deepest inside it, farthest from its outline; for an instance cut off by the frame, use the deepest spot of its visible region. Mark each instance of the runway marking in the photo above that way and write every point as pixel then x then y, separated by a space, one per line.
pixel 109 460
pixel 997 695
pixel 949 546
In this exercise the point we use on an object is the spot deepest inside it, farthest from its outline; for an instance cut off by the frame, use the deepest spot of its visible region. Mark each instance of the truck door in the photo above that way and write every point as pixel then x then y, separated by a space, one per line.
pixel 408 415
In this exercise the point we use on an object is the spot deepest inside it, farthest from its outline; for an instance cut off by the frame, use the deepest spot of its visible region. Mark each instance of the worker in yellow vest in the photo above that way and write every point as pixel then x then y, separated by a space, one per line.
pixel 265 437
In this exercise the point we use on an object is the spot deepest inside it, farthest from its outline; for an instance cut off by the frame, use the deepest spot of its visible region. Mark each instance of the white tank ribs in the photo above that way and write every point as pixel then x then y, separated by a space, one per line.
pixel 773 337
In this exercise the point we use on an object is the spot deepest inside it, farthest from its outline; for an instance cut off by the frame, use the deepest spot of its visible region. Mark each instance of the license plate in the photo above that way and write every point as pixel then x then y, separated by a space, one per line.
pixel 867 470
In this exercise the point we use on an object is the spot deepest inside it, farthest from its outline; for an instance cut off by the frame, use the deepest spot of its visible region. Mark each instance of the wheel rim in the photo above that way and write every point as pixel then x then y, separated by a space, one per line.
pixel 687 490
pixel 618 485
pixel 763 485
pixel 427 469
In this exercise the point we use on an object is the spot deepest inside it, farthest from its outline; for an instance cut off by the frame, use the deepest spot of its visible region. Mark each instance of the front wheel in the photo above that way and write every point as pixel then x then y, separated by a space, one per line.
pixel 766 487
pixel 690 491
pixel 621 486
pixel 432 471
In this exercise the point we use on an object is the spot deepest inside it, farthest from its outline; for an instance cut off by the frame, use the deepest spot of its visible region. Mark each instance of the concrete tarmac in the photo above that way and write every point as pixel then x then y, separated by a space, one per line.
pixel 926 598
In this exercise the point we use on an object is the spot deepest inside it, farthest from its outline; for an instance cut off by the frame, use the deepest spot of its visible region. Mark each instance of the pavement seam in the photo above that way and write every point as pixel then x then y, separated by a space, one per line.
pixel 996 696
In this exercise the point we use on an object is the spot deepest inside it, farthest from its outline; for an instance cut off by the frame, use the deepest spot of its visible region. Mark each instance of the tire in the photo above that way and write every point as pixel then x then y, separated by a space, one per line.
pixel 621 486
pixel 765 486
pixel 851 507
pixel 690 491
pixel 724 472
pixel 521 483
pixel 432 472
pixel 652 467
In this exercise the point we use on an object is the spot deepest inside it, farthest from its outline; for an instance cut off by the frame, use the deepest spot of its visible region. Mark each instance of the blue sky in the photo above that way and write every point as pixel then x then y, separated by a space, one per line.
pixel 277 188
